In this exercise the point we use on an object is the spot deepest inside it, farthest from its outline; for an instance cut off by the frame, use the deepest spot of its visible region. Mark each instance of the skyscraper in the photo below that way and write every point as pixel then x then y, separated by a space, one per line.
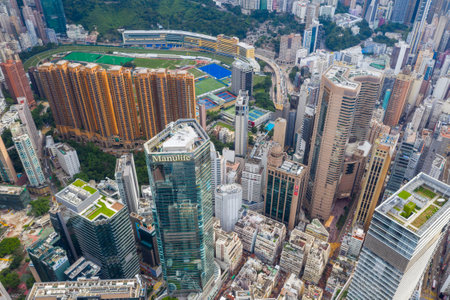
pixel 123 102
pixel 420 20
pixel 27 119
pixel 179 164
pixel 241 77
pixel 17 81
pixel 289 44
pixel 285 188
pixel 127 181
pixel 7 171
pixel 163 97
pixel 403 11
pixel 27 154
pixel 332 126
pixel 373 180
pixel 371 83
pixel 279 131
pixel 311 36
pixel 241 124
pixel 399 57
pixel 397 100
pixel 404 234
pixel 228 202
pixel 54 15
pixel 98 227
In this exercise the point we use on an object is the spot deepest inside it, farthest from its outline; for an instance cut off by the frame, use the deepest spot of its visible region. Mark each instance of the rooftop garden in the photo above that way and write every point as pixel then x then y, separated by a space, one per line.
pixel 408 209
pixel 97 209
pixel 79 183
pixel 424 216
pixel 425 192
pixel 89 189
pixel 440 202
pixel 404 195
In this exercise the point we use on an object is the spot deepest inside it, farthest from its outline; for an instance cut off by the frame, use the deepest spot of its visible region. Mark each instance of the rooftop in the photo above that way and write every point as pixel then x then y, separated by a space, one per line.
pixel 76 193
pixel 82 268
pixel 182 136
pixel 337 75
pixel 64 148
pixel 11 189
pixel 418 204
pixel 102 209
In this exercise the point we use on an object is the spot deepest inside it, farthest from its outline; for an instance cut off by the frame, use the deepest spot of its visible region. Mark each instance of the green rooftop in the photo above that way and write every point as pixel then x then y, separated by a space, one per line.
pixel 90 189
pixel 98 208
pixel 78 183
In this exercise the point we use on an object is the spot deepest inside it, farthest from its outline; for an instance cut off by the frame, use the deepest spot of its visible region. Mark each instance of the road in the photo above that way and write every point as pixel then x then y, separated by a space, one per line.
pixel 279 88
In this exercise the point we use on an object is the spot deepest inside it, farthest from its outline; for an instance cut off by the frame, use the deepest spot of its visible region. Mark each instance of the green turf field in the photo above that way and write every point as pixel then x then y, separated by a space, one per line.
pixel 162 63
pixel 207 85
pixel 113 60
pixel 196 72
pixel 82 56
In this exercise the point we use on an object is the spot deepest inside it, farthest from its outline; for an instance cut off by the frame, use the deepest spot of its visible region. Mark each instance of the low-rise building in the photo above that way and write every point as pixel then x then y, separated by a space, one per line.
pixel 293 288
pixel 316 261
pixel 90 288
pixel 14 197
pixel 295 252
pixel 317 230
pixel 247 228
pixel 312 292
pixel 269 239
pixel 228 248
pixel 340 273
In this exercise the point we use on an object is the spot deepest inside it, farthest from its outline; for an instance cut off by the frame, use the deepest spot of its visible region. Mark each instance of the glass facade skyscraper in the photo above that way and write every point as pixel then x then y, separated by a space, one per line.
pixel 179 164
pixel 404 233
pixel 54 15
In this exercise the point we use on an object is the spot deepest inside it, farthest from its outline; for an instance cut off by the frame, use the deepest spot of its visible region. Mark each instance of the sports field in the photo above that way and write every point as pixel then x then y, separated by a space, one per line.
pixel 82 56
pixel 162 63
pixel 196 72
pixel 207 85
pixel 113 60
pixel 216 71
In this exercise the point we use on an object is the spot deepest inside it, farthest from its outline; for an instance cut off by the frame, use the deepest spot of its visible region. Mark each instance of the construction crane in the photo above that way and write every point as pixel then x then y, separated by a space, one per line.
pixel 5 259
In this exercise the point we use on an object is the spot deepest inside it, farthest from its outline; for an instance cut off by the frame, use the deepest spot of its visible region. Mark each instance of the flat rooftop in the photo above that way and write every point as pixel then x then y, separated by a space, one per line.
pixel 11 190
pixel 418 204
pixel 77 192
pixel 102 208
pixel 292 167
pixel 337 75
pixel 182 136
pixel 64 148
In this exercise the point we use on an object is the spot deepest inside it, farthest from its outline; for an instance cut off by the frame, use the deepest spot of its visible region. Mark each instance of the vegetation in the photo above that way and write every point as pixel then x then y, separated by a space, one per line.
pixel 338 38
pixel 141 167
pixel 408 209
pixel 341 221
pixel 404 195
pixel 261 93
pixel 95 164
pixel 293 72
pixel 10 280
pixel 35 50
pixel 30 281
pixel 424 216
pixel 212 116
pixel 9 246
pixel 40 206
pixel 17 163
pixel 423 191
pixel 382 39
pixel 42 118
pixel 341 8
pixel 219 145
pixel 394 27
pixel 100 209
pixel 7 138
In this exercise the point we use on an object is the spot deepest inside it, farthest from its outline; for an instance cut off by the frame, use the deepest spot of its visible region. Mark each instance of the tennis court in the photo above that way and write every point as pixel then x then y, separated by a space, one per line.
pixel 207 102
pixel 254 114
pixel 206 85
pixel 216 71
pixel 82 56
pixel 227 96
pixel 113 60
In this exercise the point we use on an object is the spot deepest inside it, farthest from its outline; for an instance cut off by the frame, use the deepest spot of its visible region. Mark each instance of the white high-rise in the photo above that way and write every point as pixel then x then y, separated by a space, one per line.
pixel 68 159
pixel 218 168
pixel 127 181
pixel 27 154
pixel 27 119
pixel 228 200
pixel 241 124
pixel 251 180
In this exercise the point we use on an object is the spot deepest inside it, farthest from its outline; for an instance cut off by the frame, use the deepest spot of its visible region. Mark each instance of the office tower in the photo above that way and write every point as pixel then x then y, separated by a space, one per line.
pixel 311 36
pixel 27 119
pixel 404 234
pixel 241 123
pixel 100 96
pixel 218 168
pixel 290 127
pixel 371 83
pixel 202 115
pixel 7 171
pixel 127 182
pixel 145 236
pixel 54 15
pixel 49 260
pixel 98 227
pixel 252 181
pixel 28 155
pixel 82 268
pixel 228 203
pixel 371 12
pixel 400 166
pixel 373 181
pixel 399 57
pixel 285 187
pixel 179 166
pixel 249 4
pixel 279 131
pixel 289 44
pixel 121 86
pixel 17 81
pixel 163 97
pixel 397 100
pixel 403 11
pixel 420 20
pixel 68 159
pixel 90 288
pixel 241 77
pixel 332 126
pixel 14 197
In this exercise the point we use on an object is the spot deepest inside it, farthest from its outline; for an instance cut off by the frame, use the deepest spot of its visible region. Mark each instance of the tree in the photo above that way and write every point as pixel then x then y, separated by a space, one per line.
pixel 254 130
pixel 292 73
pixel 30 281
pixel 8 246
pixel 9 279
pixel 40 206
pixel 7 138
pixel 129 64
pixel 141 167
